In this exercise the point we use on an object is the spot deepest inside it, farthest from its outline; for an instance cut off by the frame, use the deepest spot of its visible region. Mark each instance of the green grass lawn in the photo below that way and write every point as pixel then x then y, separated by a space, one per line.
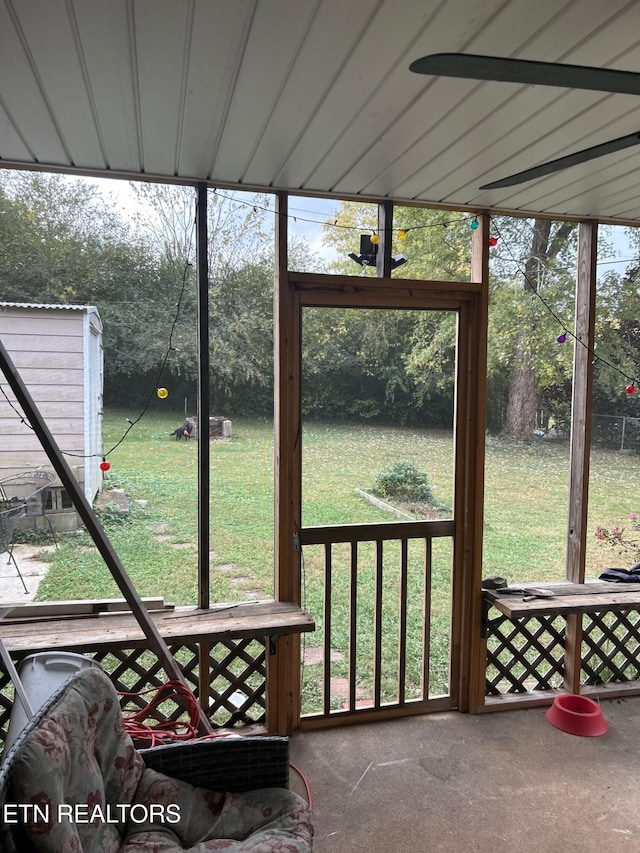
pixel 525 524
pixel 525 508
pixel 157 544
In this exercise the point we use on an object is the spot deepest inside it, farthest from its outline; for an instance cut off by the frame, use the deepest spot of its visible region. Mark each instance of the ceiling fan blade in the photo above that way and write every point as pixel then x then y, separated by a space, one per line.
pixel 564 162
pixel 527 72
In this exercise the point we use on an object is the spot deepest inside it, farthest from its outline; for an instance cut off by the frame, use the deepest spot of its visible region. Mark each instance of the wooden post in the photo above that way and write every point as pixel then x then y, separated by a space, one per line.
pixel 580 447
pixel 385 232
pixel 90 520
pixel 204 447
pixel 471 417
pixel 582 400
pixel 283 705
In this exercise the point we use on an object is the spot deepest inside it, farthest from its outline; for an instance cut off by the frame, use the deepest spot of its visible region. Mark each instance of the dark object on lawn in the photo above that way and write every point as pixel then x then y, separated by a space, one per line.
pixel 495 582
pixel 184 431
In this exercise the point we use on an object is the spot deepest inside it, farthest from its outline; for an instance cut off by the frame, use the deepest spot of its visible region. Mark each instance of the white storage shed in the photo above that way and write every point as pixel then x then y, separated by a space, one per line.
pixel 57 349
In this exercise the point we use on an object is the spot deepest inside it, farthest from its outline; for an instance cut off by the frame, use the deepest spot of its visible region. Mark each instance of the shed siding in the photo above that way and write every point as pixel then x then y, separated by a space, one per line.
pixel 48 346
pixel 50 343
pixel 28 360
pixel 48 393
pixel 93 378
pixel 42 322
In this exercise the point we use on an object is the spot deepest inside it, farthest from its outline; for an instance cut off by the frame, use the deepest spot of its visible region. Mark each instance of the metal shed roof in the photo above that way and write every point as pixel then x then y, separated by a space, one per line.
pixel 91 309
pixel 316 96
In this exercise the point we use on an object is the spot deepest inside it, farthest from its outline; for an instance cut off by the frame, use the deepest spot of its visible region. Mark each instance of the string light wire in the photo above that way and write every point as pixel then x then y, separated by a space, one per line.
pixel 471 219
pixel 328 223
pixel 565 329
pixel 169 350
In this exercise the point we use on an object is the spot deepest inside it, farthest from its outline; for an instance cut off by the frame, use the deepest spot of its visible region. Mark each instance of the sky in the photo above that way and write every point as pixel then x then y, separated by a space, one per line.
pixel 308 214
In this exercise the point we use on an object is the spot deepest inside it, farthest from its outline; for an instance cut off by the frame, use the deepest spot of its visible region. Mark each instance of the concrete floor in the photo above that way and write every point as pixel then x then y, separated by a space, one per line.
pixel 32 567
pixel 506 782
pixel 501 782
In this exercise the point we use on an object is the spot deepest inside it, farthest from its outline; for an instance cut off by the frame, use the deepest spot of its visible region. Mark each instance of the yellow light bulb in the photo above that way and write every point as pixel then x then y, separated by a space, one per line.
pixel 162 393
pixel 402 235
pixel 375 239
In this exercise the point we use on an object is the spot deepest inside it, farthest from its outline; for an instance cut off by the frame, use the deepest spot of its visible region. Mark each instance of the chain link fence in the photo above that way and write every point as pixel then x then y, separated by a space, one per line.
pixel 616 432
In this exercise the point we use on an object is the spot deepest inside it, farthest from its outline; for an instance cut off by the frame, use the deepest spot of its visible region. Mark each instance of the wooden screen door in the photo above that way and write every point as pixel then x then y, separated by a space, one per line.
pixel 390 593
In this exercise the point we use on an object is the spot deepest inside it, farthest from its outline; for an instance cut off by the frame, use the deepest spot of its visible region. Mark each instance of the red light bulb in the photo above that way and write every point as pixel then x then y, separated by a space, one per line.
pixel 493 241
pixel 104 465
pixel 630 390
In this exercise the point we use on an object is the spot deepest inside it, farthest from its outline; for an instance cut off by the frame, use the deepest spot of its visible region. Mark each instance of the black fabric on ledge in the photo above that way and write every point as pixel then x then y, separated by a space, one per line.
pixel 631 575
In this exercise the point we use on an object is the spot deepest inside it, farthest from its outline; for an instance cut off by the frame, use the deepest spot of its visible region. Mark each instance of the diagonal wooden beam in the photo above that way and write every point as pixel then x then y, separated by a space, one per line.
pixel 90 520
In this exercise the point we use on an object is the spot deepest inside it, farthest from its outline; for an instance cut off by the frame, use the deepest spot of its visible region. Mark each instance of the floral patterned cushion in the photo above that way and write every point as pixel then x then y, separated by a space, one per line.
pixel 271 820
pixel 86 789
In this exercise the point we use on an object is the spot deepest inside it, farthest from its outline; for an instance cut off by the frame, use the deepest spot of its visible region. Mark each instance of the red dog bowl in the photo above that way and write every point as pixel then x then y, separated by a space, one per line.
pixel 577 715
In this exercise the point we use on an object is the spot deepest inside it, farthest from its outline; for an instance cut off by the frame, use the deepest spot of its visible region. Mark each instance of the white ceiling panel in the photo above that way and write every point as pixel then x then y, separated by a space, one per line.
pixel 386 33
pixel 390 141
pixel 57 57
pixel 373 133
pixel 308 82
pixel 213 71
pixel 106 39
pixel 162 31
pixel 23 97
pixel 527 144
pixel 12 143
pixel 317 96
pixel 273 44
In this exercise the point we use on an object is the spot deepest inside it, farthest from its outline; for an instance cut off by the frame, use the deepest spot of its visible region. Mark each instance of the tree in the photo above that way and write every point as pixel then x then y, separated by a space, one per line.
pixel 63 243
pixel 236 223
pixel 436 243
pixel 617 342
pixel 53 231
pixel 240 267
pixel 411 363
pixel 548 241
pixel 353 364
pixel 66 245
pixel 533 259
pixel 241 334
pixel 532 287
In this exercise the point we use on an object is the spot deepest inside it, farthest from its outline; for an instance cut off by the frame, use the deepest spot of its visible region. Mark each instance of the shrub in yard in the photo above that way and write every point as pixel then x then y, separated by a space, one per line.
pixel 625 541
pixel 405 482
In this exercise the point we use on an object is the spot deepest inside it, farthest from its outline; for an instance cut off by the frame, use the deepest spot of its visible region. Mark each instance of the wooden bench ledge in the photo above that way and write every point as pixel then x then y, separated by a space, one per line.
pixel 183 624
pixel 39 611
pixel 588 597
